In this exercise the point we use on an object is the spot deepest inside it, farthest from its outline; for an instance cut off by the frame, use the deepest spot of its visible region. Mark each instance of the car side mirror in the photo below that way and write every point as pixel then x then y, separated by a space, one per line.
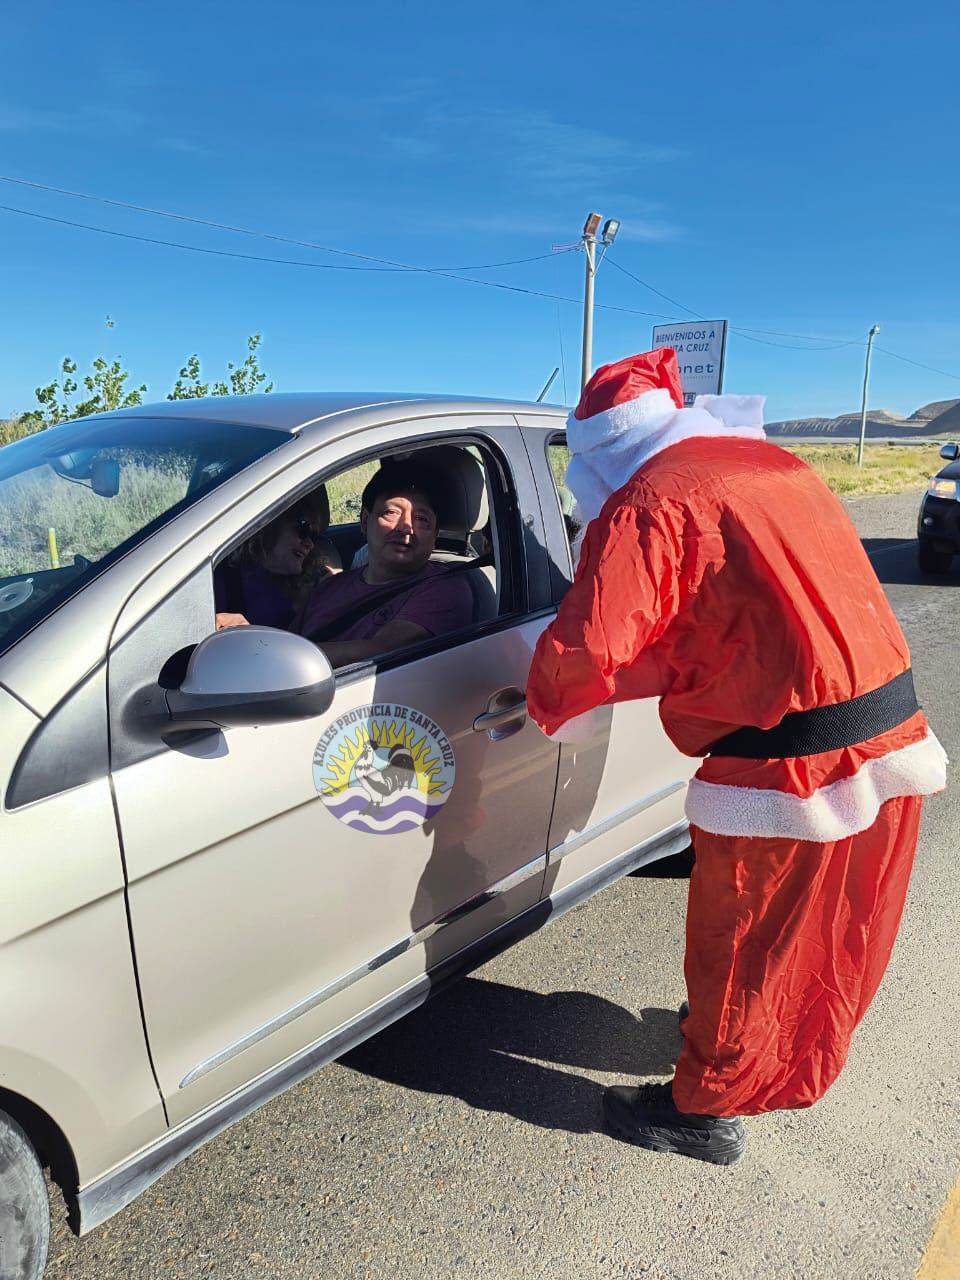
pixel 101 474
pixel 251 675
pixel 950 452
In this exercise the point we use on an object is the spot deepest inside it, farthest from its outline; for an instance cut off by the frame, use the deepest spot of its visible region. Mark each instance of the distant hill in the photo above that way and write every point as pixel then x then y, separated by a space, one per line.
pixel 939 418
pixel 927 412
pixel 948 422
pixel 846 425
pixel 873 415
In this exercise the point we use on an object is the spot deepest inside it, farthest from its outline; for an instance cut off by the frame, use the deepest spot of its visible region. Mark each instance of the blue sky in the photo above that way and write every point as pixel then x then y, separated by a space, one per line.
pixel 791 168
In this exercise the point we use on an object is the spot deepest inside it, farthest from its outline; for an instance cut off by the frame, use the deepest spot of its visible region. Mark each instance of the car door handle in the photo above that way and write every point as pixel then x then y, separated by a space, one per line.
pixel 495 720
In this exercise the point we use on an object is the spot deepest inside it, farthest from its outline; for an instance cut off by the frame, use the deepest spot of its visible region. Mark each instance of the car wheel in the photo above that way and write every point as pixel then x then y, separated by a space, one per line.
pixel 24 1207
pixel 931 560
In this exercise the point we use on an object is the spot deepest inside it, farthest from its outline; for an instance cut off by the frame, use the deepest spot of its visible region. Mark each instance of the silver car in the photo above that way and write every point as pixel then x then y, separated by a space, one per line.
pixel 205 898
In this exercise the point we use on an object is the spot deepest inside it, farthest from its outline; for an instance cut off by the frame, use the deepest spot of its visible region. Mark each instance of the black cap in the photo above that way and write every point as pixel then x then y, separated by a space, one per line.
pixel 404 477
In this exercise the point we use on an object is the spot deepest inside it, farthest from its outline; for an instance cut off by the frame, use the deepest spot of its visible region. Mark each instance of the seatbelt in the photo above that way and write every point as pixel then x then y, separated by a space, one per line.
pixel 371 603
pixel 234 596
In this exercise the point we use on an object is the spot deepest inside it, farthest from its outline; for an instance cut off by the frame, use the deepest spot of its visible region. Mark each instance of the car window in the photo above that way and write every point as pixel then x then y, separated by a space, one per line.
pixel 475 552
pixel 453 543
pixel 75 498
pixel 558 455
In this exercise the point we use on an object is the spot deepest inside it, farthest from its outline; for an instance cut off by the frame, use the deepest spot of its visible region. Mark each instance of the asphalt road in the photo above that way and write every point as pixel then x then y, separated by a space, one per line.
pixel 466 1139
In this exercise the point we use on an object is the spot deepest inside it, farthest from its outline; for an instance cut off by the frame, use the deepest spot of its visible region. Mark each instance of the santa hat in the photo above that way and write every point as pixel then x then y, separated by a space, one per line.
pixel 639 389
pixel 633 409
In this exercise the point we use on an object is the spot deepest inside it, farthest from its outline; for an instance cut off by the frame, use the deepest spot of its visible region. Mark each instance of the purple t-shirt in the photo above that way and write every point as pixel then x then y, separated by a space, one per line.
pixel 437 600
pixel 253 591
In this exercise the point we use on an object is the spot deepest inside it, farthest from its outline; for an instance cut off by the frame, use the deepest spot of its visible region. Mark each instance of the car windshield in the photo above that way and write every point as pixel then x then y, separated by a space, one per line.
pixel 75 498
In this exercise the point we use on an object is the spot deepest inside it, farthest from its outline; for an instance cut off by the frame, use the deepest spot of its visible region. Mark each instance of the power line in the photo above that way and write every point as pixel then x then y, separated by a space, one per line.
pixel 387 264
pixel 907 360
pixel 789 346
pixel 665 296
pixel 390 265
pixel 191 248
pixel 316 266
pixel 808 337
pixel 746 332
pixel 742 330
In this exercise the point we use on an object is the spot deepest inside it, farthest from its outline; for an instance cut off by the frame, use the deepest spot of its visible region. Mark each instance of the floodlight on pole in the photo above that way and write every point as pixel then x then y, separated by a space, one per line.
pixel 590 242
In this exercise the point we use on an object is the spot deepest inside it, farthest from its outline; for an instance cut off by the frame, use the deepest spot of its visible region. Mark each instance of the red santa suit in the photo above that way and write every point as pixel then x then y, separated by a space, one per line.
pixel 720 574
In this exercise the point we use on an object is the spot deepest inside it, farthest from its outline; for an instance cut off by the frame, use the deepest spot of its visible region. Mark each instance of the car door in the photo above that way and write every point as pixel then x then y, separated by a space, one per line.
pixel 626 785
pixel 262 919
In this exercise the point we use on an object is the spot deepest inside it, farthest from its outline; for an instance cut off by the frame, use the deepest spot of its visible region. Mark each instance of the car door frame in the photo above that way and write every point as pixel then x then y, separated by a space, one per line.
pixel 500 434
pixel 598 847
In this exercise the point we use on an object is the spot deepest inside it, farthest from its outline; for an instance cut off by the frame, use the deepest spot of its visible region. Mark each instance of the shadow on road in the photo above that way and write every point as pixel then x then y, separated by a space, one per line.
pixel 894 561
pixel 464 1044
pixel 677 867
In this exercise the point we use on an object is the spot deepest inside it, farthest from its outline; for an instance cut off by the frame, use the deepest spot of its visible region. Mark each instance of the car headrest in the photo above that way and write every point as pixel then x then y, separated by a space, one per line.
pixel 322 506
pixel 463 500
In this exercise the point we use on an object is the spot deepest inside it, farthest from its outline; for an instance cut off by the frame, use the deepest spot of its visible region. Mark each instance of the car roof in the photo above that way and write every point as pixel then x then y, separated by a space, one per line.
pixel 290 411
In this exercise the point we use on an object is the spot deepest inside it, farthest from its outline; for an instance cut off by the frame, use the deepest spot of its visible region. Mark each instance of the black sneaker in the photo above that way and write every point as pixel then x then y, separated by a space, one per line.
pixel 683 1011
pixel 648 1118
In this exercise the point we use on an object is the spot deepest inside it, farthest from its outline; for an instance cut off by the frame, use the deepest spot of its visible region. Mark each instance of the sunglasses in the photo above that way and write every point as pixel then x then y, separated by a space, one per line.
pixel 304 529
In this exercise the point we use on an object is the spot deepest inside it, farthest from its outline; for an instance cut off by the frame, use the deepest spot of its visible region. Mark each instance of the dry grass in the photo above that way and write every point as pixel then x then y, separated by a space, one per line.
pixel 887 468
pixel 85 524
pixel 11 429
pixel 344 490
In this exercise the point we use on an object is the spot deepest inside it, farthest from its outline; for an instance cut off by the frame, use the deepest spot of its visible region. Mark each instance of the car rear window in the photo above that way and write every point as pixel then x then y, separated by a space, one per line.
pixel 75 498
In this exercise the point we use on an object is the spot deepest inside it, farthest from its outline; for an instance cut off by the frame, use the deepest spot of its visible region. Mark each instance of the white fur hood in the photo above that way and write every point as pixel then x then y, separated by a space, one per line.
pixel 610 447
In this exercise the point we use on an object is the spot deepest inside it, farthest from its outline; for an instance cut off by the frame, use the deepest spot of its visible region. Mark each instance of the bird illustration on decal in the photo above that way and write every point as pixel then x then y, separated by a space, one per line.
pixel 381 781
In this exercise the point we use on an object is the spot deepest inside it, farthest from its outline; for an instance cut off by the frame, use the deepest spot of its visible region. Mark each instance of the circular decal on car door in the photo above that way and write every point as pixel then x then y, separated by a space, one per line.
pixel 384 768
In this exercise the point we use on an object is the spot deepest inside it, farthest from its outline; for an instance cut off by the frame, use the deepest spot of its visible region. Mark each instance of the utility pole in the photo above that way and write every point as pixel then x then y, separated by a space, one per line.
pixel 590 242
pixel 863 404
pixel 590 253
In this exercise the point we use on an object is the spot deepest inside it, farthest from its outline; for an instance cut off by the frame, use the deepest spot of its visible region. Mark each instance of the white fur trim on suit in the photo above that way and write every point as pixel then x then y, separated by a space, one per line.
pixel 841 809
pixel 734 411
pixel 611 446
pixel 583 727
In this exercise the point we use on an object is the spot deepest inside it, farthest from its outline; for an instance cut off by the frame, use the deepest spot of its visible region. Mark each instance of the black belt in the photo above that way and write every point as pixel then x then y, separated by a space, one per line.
pixel 844 724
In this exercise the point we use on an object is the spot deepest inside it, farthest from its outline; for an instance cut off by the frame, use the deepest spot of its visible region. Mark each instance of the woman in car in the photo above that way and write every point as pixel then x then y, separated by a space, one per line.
pixel 267 579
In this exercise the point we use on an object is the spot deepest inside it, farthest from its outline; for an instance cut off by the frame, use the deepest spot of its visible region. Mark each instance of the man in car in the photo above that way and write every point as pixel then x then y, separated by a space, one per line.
pixel 721 575
pixel 398 597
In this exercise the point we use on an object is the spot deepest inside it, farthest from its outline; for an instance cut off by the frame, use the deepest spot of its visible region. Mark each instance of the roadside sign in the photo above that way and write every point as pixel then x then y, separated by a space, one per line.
pixel 700 346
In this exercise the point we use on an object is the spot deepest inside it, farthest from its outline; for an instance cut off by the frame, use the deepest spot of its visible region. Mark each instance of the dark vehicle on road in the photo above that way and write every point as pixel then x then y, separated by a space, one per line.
pixel 938 526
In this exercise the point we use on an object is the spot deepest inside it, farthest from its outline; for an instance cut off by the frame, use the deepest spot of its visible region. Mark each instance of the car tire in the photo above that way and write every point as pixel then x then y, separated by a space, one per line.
pixel 24 1206
pixel 932 560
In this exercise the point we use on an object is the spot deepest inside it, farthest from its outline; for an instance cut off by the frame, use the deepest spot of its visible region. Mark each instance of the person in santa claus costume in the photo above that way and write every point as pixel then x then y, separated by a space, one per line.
pixel 718 573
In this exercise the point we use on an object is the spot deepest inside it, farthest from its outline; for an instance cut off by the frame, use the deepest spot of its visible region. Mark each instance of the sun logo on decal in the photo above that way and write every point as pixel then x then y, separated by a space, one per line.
pixel 401 753
pixel 384 769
